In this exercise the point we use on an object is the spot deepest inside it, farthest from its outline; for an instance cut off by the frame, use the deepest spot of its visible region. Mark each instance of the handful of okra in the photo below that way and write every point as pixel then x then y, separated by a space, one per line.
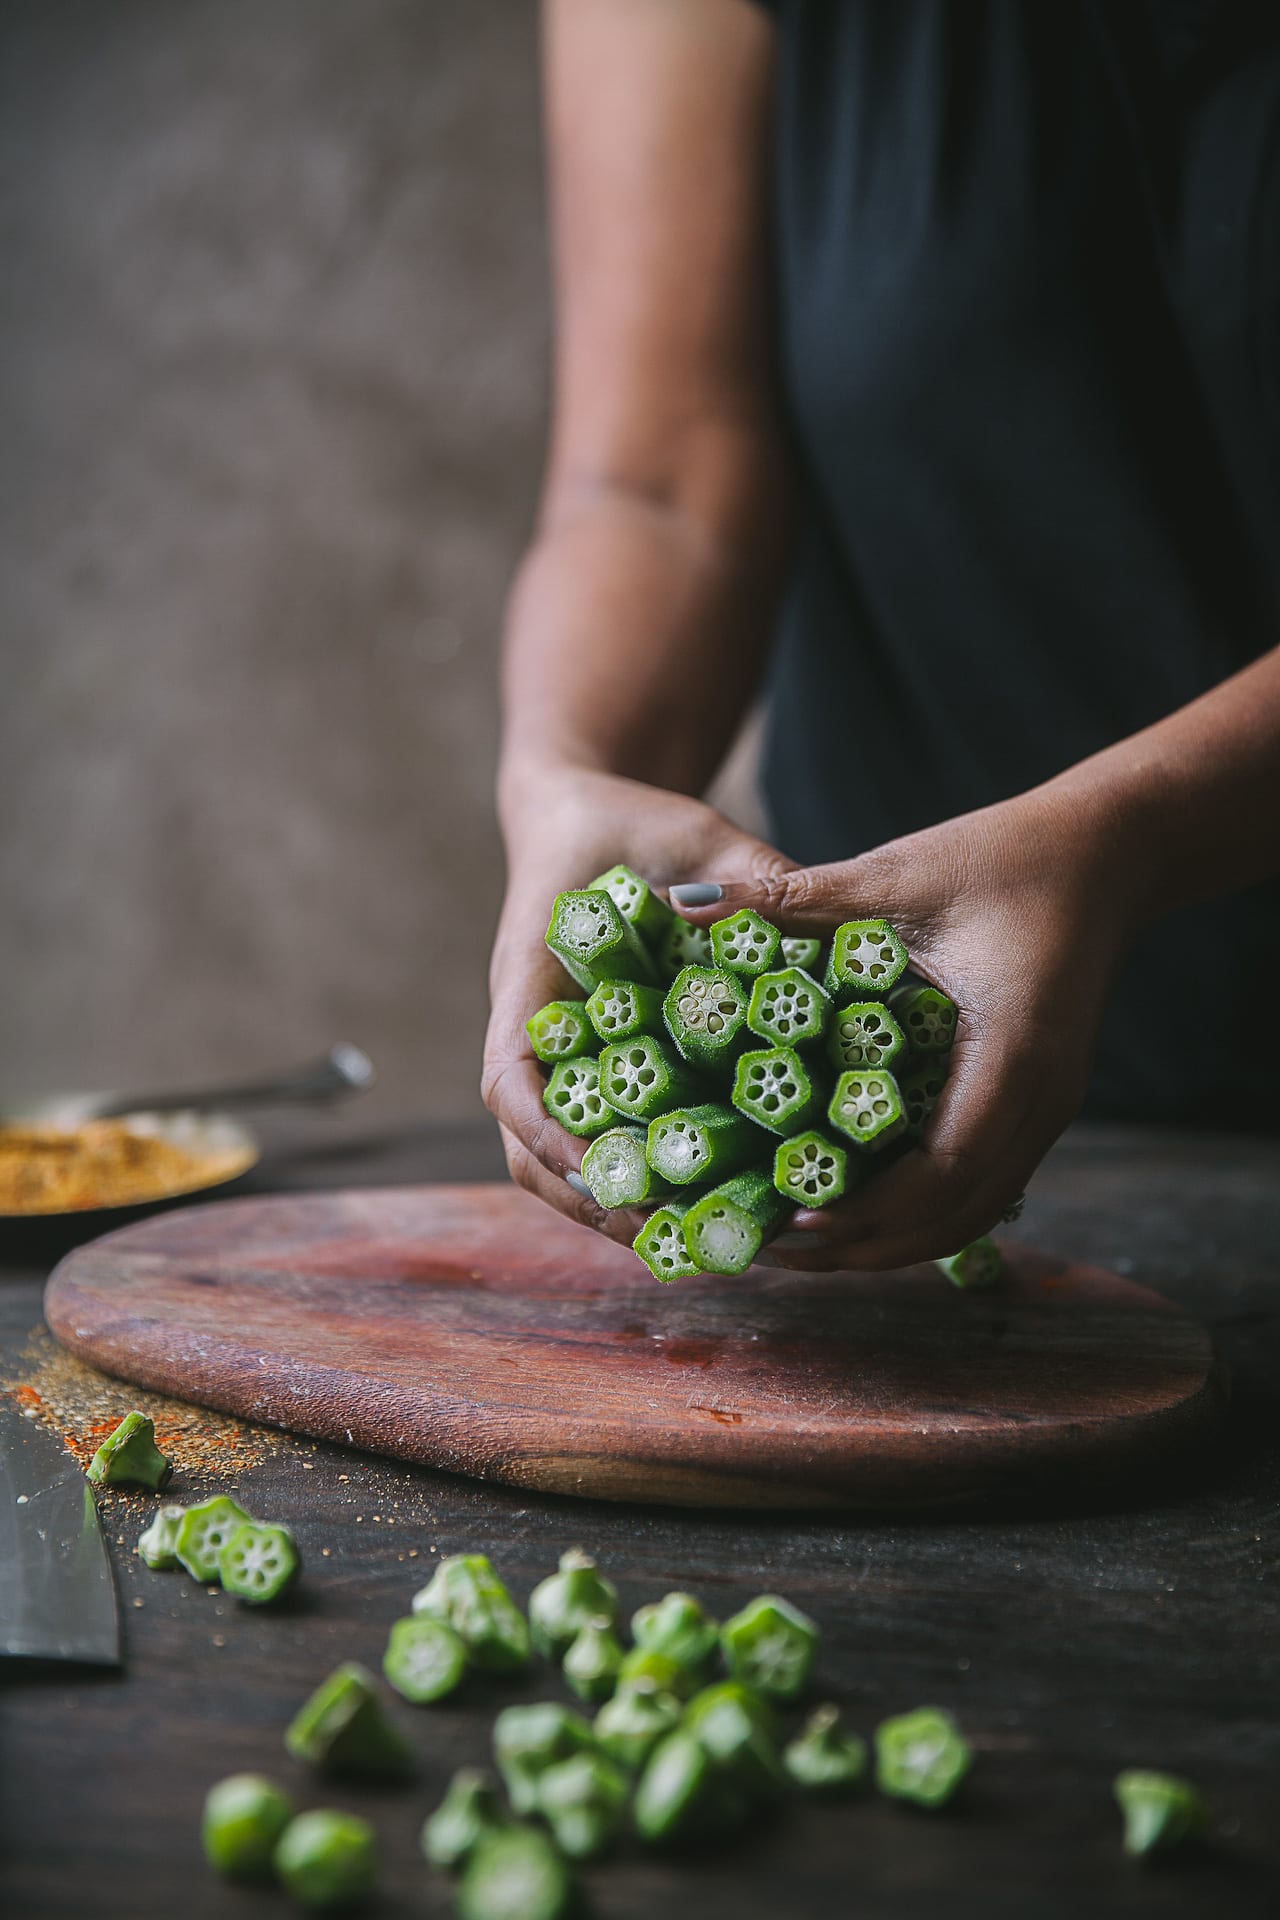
pixel 727 1075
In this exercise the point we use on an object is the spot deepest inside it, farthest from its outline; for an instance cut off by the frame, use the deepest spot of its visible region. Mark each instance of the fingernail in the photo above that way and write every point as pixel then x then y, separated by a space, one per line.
pixel 579 1185
pixel 697 893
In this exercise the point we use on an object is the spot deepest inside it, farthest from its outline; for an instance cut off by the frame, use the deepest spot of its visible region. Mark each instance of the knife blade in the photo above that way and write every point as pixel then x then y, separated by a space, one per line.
pixel 57 1596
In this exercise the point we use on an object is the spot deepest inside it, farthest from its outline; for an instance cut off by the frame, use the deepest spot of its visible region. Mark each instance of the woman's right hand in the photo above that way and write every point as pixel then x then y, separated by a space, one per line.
pixel 568 826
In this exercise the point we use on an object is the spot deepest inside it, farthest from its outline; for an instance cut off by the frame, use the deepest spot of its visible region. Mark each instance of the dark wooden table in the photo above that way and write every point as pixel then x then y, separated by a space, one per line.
pixel 1070 1644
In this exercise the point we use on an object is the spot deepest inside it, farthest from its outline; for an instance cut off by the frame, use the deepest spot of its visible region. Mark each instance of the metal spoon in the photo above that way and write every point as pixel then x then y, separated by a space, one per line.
pixel 344 1069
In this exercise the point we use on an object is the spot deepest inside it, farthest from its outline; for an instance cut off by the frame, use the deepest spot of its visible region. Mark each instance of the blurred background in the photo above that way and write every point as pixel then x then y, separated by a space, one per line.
pixel 273 351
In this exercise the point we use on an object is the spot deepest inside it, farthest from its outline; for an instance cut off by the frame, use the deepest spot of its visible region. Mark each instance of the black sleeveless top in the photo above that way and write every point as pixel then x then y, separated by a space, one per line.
pixel 1028 275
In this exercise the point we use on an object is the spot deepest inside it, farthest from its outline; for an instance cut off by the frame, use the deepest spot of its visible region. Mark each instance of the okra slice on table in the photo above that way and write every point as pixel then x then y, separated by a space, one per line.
pixel 775 1088
pixel 679 1626
pixel 660 1670
pixel 706 1014
pixel 244 1816
pixel 466 1593
pixel 516 1873
pixel 788 1008
pixel 590 1665
pixel 560 1031
pixel 864 1034
pixel 619 1008
pixel 471 1808
pixel 707 1142
pixel 927 1017
pixel 342 1729
pixel 158 1544
pixel 572 1096
pixel 425 1660
pixel 637 902
pixel 802 950
pixel 616 1168
pixel 976 1267
pixel 661 1244
pixel 130 1457
pixel 629 1726
pixel 203 1532
pixel 810 1170
pixel 867 956
pixel 258 1563
pixel 823 1758
pixel 769 1646
pixel 593 942
pixel 867 1106
pixel 921 1757
pixel 745 943
pixel 920 1088
pixel 561 1605
pixel 643 1076
pixel 683 945
pixel 725 1229
pixel 528 1740
pixel 327 1859
pixel 739 1737
pixel 582 1801
pixel 1161 1810
pixel 680 1798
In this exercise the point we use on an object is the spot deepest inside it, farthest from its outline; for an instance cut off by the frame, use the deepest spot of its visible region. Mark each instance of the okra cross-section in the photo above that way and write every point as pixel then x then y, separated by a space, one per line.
pixel 661 1243
pixel 867 1106
pixel 705 1011
pixel 788 1008
pixel 920 1089
pixel 701 1143
pixel 643 1076
pixel 775 1089
pixel 683 945
pixel 725 1229
pixel 927 1016
pixel 867 956
pixel 802 950
pixel 864 1034
pixel 619 1008
pixel 593 942
pixel 745 943
pixel 637 902
pixel 617 1170
pixel 976 1267
pixel 572 1096
pixel 810 1170
pixel 560 1031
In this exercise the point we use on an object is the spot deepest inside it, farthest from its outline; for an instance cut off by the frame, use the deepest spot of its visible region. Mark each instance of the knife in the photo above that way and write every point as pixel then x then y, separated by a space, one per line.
pixel 57 1597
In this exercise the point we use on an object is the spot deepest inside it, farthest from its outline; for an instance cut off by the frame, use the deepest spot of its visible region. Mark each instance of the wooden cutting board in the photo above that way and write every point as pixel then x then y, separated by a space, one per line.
pixel 472 1328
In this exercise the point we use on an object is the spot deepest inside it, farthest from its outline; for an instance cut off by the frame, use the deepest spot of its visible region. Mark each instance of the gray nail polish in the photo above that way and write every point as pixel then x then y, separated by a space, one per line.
pixel 697 893
pixel 579 1185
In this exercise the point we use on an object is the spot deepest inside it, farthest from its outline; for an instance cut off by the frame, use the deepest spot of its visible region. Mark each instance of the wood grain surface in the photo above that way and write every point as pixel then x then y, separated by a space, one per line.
pixel 471 1328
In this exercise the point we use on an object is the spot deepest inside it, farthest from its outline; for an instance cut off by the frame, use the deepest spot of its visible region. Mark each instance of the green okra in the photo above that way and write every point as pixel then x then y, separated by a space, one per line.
pixel 735 1730
pixel 582 1800
pixel 471 1808
pixel 528 1740
pixel 920 1087
pixel 637 902
pixel 926 1015
pixel 683 945
pixel 679 1626
pixel 976 1267
pixel 802 950
pixel 745 943
pixel 244 1816
pixel 864 1034
pixel 644 1076
pixel 561 1031
pixel 130 1456
pixel 257 1563
pixel 682 1795
pixel 342 1729
pixel 629 1726
pixel 158 1545
pixel 707 1142
pixel 769 1646
pixel 823 1758
pixel 616 1168
pixel 562 1605
pixel 327 1859
pixel 593 942
pixel 810 1170
pixel 866 956
pixel 706 1015
pixel 867 1106
pixel 661 1670
pixel 590 1666
pixel 467 1594
pixel 1161 1811
pixel 788 1008
pixel 725 1229
pixel 921 1757
pixel 425 1660
pixel 203 1532
pixel 572 1096
pixel 619 1008
pixel 777 1090
pixel 661 1244
pixel 515 1873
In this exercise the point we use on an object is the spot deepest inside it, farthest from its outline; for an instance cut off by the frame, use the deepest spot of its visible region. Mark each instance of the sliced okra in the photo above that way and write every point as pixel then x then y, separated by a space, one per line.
pixel 679 1626
pixel 788 1008
pixel 515 1873
pixel 1161 1810
pixel 680 1796
pixel 130 1456
pixel 823 1758
pixel 769 1646
pixel 471 1808
pixel 920 1087
pixel 683 945
pixel 976 1267
pixel 203 1532
pixel 593 942
pixel 244 1816
pixel 425 1660
pixel 745 943
pixel 774 1088
pixel 661 1244
pixel 926 1015
pixel 327 1859
pixel 467 1594
pixel 629 1726
pixel 737 1733
pixel 342 1729
pixel 864 1034
pixel 619 1008
pixel 802 950
pixel 257 1563
pixel 528 1740
pixel 572 1096
pixel 637 902
pixel 725 1229
pixel 560 1031
pixel 582 1800
pixel 706 1014
pixel 810 1170
pixel 921 1757
pixel 707 1142
pixel 590 1666
pixel 867 956
pixel 645 1076
pixel 158 1545
pixel 561 1605
pixel 616 1168
pixel 867 1106
pixel 661 1670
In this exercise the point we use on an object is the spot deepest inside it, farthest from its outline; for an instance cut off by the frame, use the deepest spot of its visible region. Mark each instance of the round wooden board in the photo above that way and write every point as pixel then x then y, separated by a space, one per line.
pixel 471 1328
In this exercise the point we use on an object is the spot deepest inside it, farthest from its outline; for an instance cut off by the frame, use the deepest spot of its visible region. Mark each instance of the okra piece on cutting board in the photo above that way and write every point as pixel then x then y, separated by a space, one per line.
pixel 774 1088
pixel 706 1014
pixel 619 1008
pixel 745 943
pixel 572 1096
pixel 561 1031
pixel 701 1143
pixel 661 1243
pixel 617 1170
pixel 867 958
pixel 637 902
pixel 788 1008
pixel 645 1076
pixel 725 1229
pixel 593 942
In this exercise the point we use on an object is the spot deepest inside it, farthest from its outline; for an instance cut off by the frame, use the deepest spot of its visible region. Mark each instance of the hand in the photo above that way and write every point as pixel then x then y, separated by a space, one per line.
pixel 1021 915
pixel 568 827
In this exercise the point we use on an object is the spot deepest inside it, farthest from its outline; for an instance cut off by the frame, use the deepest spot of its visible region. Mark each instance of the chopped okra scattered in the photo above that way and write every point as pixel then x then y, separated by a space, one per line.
pixel 327 1859
pixel 244 1816
pixel 130 1456
pixel 921 1757
pixel 342 1730
pixel 471 1808
pixel 573 1597
pixel 1161 1811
